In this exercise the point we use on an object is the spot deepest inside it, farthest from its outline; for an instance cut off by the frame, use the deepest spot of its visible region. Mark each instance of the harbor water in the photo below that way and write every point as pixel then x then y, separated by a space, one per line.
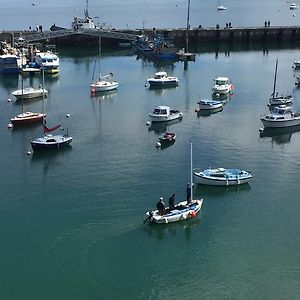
pixel 72 221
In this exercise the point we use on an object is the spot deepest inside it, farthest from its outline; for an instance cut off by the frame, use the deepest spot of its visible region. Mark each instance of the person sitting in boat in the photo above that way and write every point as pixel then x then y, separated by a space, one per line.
pixel 188 193
pixel 160 205
pixel 172 202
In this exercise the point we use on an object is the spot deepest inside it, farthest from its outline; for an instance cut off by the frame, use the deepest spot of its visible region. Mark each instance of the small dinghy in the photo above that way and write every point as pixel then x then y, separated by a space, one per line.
pixel 166 139
pixel 209 104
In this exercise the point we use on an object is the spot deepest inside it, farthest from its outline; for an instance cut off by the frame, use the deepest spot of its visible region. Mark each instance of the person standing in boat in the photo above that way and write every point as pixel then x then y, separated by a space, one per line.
pixel 160 205
pixel 172 202
pixel 188 193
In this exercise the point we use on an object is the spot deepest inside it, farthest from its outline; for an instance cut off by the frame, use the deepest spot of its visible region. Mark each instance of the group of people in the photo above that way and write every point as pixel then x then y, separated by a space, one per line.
pixel 160 205
pixel 267 23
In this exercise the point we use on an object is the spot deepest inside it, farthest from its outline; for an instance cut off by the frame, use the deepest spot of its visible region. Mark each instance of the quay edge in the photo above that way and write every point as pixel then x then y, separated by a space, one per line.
pixel 195 36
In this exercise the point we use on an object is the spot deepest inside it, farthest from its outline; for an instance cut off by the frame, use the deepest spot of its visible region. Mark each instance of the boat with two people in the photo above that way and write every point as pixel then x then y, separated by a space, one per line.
pixel 184 210
pixel 162 79
pixel 103 83
pixel 222 86
pixel 281 116
pixel 163 113
pixel 275 99
pixel 222 176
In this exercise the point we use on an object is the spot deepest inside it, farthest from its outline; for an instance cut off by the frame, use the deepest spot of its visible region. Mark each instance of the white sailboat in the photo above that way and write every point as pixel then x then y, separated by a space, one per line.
pixel 28 117
pixel 183 210
pixel 278 100
pixel 104 83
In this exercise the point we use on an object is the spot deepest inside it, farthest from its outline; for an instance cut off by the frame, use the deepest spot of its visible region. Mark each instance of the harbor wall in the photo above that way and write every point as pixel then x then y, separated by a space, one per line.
pixel 195 36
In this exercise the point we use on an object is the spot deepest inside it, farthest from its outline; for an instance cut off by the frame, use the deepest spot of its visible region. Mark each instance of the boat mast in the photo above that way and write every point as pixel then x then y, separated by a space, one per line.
pixel 99 57
pixel 187 27
pixel 22 86
pixel 275 76
pixel 43 81
pixel 191 171
pixel 86 11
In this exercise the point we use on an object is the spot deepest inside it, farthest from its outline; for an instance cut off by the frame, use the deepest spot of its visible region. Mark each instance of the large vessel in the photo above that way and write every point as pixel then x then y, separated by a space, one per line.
pixel 86 22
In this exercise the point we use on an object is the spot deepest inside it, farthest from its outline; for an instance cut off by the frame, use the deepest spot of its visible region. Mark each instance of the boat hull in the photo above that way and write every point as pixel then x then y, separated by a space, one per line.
pixel 58 142
pixel 29 94
pixel 182 211
pixel 165 118
pixel 27 118
pixel 163 83
pixel 280 123
pixel 104 87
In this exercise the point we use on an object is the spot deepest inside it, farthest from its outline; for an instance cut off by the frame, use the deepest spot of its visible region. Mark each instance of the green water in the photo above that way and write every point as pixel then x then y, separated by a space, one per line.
pixel 71 222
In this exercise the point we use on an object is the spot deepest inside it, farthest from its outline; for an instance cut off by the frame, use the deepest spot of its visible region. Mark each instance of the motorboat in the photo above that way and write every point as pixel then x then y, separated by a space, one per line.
pixel 275 99
pixel 222 86
pixel 9 64
pixel 167 139
pixel 296 64
pixel 281 116
pixel 293 6
pixel 221 7
pixel 104 83
pixel 164 113
pixel 29 93
pixel 221 176
pixel 27 118
pixel 161 79
pixel 183 210
pixel 209 104
pixel 48 61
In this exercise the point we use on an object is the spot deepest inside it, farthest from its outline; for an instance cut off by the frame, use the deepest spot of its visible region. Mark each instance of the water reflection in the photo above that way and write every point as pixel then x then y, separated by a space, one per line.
pixel 279 135
pixel 161 231
pixel 104 95
pixel 162 127
pixel 208 190
pixel 51 158
pixel 9 81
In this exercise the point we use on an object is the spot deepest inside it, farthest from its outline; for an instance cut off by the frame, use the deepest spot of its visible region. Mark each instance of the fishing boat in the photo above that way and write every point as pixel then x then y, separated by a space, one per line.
pixel 182 211
pixel 103 83
pixel 281 116
pixel 275 99
pixel 221 176
pixel 28 117
pixel 86 22
pixel 162 79
pixel 222 86
pixel 209 104
pixel 164 114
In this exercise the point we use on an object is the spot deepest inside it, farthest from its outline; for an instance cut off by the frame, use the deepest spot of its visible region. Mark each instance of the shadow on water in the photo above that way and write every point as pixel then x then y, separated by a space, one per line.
pixel 161 231
pixel 279 135
pixel 208 190
pixel 49 158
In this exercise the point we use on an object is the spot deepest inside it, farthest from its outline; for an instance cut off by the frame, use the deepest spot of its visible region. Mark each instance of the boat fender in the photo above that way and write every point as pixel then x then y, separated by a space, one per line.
pixel 10 125
pixel 197 110
pixel 193 214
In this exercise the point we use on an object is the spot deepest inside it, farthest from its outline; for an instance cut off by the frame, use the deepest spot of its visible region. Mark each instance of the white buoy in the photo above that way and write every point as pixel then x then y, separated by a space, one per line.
pixel 158 144
pixel 9 100
pixel 28 152
pixel 261 129
pixel 148 123
pixel 9 125
pixel 68 115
